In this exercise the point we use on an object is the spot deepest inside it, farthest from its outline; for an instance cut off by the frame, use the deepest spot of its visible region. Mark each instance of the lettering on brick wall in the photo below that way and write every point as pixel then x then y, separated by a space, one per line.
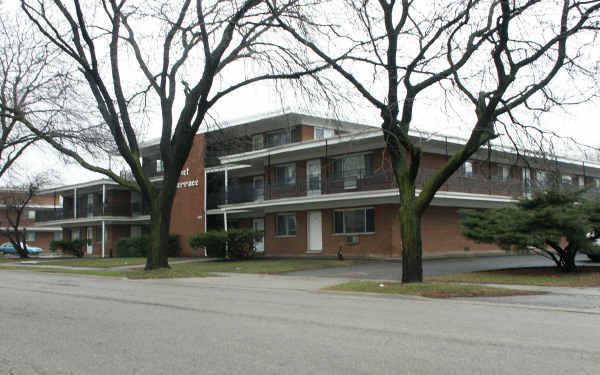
pixel 186 184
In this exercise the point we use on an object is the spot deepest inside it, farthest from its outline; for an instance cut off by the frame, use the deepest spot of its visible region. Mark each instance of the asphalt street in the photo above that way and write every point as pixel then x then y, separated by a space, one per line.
pixel 252 324
pixel 392 270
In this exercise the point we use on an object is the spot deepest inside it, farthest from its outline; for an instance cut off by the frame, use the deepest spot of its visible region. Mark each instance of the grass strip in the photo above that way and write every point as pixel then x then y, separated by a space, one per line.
pixel 539 276
pixel 430 290
pixel 203 269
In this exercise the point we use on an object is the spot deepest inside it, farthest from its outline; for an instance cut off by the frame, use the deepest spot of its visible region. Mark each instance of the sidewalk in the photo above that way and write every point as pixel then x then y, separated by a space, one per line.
pixel 35 263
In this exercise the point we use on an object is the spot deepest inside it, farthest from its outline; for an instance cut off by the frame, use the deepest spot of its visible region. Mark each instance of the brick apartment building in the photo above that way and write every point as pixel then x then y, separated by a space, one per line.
pixel 39 204
pixel 313 185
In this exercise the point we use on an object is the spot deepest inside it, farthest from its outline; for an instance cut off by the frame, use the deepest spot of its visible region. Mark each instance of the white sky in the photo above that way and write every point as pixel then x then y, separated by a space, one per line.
pixel 580 122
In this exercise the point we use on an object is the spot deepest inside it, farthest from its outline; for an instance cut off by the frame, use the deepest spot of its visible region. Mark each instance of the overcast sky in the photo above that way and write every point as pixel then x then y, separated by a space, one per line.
pixel 579 122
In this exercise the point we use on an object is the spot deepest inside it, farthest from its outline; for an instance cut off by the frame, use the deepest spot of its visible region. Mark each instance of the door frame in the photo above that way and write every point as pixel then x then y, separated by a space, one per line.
pixel 308 231
pixel 263 237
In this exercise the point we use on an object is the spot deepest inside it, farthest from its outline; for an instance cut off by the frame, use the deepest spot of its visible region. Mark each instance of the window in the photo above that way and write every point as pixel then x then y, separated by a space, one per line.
pixel 323 133
pixel 581 181
pixel 351 168
pixel 280 137
pixel 58 235
pixel 541 179
pixel 597 183
pixel 76 235
pixel 286 225
pixel 468 169
pixel 30 236
pixel 159 166
pixel 503 172
pixel 353 221
pixel 285 174
pixel 566 179
pixel 31 214
pixel 257 142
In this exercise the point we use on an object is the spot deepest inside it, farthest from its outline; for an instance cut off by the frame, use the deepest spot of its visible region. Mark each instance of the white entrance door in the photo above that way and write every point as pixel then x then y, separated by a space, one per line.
pixel 315 231
pixel 313 176
pixel 259 224
pixel 90 240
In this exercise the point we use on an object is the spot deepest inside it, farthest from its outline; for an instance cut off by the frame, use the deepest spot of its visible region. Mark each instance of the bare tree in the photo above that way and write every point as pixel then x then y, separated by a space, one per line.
pixel 201 50
pixel 15 201
pixel 500 56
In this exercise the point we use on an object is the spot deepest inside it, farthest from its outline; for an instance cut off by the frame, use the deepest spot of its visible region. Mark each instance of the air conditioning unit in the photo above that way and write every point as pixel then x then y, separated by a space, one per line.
pixel 351 239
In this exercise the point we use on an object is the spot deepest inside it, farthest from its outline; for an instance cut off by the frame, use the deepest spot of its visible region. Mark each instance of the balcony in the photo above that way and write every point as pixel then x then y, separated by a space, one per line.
pixel 123 210
pixel 363 181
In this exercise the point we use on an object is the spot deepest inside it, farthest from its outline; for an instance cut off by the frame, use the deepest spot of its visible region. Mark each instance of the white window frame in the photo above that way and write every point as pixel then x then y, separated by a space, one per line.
pixel 287 229
pixel 344 233
pixel 31 214
pixel 159 166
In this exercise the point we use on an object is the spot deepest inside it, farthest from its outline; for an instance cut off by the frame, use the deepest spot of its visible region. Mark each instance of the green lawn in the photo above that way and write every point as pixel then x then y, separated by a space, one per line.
pixel 431 290
pixel 203 269
pixel 96 262
pixel 543 276
pixel 8 260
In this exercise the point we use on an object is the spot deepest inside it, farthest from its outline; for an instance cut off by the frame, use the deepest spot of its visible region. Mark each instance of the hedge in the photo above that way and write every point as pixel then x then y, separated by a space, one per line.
pixel 137 246
pixel 240 243
pixel 74 247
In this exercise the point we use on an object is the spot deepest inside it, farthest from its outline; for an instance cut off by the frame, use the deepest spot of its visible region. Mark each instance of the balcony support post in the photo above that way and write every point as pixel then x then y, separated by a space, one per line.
pixel 226 186
pixel 103 237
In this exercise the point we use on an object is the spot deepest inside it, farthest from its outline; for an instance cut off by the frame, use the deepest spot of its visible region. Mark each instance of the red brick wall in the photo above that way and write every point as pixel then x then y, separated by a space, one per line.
pixel 293 245
pixel 441 232
pixel 189 201
pixel 305 133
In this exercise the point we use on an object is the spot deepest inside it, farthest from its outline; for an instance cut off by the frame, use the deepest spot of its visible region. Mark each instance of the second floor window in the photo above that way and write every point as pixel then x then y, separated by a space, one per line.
pixel 352 166
pixel 31 215
pixel 285 174
pixel 257 142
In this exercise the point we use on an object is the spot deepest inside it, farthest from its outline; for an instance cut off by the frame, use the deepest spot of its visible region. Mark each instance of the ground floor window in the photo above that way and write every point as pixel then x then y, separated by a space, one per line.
pixel 30 236
pixel 352 221
pixel 58 235
pixel 286 225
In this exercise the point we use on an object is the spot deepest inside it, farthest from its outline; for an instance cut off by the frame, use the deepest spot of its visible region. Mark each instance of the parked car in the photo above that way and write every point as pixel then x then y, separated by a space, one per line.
pixel 8 248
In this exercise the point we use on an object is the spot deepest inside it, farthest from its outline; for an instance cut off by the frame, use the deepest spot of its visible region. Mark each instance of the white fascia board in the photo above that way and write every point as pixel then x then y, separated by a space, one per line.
pixel 373 194
pixel 33 229
pixel 95 219
pixel 82 185
pixel 2 205
pixel 229 167
pixel 298 146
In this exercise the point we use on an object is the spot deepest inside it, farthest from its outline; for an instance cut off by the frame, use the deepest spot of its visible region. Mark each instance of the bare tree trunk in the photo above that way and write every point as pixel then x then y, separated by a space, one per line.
pixel 153 258
pixel 412 270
